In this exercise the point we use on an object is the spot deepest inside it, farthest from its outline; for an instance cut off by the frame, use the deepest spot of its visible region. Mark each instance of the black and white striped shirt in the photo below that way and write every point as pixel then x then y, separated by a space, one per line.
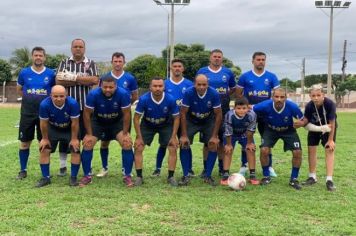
pixel 85 68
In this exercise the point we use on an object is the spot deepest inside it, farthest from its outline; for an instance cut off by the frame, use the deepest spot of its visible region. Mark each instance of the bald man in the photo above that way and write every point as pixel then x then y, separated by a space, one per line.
pixel 59 121
pixel 200 112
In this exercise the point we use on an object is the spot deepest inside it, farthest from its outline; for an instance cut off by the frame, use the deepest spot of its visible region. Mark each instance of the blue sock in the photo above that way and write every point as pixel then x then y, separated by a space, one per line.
pixel 74 169
pixel 104 154
pixel 161 152
pixel 295 173
pixel 221 165
pixel 204 164
pixel 265 170
pixel 86 156
pixel 184 160
pixel 23 155
pixel 243 158
pixel 270 159
pixel 210 162
pixel 45 170
pixel 190 159
pixel 128 160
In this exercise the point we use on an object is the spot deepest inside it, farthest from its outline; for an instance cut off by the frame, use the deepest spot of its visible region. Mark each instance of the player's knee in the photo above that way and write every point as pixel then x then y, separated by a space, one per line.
pixel 25 145
pixel 126 146
pixel 139 149
pixel 265 151
pixel 297 154
pixel 88 147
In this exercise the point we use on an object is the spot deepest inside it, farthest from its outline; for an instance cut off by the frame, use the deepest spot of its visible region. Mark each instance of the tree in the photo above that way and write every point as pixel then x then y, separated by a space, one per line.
pixel 288 84
pixel 145 67
pixel 5 71
pixel 53 61
pixel 21 58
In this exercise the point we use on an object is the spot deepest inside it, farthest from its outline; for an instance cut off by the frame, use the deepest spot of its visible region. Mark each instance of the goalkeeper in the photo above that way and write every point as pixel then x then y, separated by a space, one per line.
pixel 320 121
pixel 78 74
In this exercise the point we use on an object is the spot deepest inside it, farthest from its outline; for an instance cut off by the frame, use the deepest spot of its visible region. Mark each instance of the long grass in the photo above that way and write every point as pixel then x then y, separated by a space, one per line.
pixel 107 207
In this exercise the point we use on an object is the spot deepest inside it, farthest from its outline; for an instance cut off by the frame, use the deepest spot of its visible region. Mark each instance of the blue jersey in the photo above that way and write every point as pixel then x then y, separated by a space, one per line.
pixel 238 126
pixel 278 120
pixel 177 89
pixel 258 88
pixel 201 108
pixel 222 80
pixel 107 110
pixel 59 117
pixel 36 86
pixel 126 81
pixel 157 114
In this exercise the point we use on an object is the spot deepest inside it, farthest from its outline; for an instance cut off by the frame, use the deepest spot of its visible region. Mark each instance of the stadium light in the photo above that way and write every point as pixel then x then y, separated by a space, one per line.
pixel 172 3
pixel 332 5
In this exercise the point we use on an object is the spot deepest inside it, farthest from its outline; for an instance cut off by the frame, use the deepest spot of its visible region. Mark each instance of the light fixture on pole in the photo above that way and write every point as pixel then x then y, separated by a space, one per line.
pixel 331 4
pixel 172 3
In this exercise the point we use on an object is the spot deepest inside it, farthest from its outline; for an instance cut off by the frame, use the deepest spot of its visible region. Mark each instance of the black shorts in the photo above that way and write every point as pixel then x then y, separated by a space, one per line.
pixel 290 138
pixel 81 126
pixel 28 124
pixel 106 132
pixel 148 133
pixel 314 138
pixel 63 136
pixel 205 128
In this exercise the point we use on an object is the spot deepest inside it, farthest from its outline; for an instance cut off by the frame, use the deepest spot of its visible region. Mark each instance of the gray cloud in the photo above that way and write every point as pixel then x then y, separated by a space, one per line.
pixel 286 30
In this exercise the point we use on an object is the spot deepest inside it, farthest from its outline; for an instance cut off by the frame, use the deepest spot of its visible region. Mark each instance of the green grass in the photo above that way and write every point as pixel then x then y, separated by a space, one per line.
pixel 107 207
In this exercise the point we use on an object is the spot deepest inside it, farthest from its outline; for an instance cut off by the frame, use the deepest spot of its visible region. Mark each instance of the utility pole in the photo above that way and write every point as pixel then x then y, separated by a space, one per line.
pixel 343 75
pixel 302 78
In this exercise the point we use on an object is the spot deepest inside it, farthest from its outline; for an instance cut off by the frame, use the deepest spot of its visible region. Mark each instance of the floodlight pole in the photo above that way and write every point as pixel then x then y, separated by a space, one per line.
pixel 331 4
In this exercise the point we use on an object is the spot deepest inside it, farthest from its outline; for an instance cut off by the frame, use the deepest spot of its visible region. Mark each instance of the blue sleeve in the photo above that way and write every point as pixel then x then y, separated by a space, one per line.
pixel 241 81
pixel 174 108
pixel 133 84
pixel 140 106
pixel 125 100
pixel 232 81
pixel 297 113
pixel 216 100
pixel 43 112
pixel 90 101
pixel 75 109
pixel 275 81
pixel 186 100
pixel 259 108
pixel 21 79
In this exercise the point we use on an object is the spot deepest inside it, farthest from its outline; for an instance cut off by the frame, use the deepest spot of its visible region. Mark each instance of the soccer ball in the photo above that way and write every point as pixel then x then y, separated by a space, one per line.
pixel 236 181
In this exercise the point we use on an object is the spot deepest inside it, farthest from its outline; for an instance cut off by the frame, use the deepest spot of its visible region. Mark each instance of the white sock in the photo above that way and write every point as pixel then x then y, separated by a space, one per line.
pixel 62 159
pixel 329 178
pixel 313 175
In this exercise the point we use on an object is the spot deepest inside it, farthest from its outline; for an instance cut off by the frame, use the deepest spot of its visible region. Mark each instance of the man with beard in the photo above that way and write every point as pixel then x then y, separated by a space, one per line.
pixel 110 110
pixel 33 85
pixel 278 115
pixel 160 114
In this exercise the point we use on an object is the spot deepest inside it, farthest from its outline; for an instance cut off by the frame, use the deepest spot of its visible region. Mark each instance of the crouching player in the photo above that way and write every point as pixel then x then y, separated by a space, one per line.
pixel 59 121
pixel 107 116
pixel 240 125
pixel 278 115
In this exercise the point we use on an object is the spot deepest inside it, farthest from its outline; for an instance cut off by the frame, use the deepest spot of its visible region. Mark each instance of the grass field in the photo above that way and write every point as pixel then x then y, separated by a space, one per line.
pixel 107 207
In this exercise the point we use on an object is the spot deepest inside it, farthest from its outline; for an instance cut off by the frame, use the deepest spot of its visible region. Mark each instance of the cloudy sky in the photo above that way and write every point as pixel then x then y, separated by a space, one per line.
pixel 287 31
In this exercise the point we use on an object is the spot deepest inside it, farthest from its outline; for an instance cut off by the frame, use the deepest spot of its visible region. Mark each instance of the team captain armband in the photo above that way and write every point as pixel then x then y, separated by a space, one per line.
pixel 66 76
pixel 316 128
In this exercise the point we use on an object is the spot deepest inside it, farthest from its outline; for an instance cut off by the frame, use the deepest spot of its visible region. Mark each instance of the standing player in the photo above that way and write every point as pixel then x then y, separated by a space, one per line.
pixel 126 81
pixel 111 110
pixel 320 112
pixel 257 85
pixel 78 74
pixel 200 112
pixel 33 85
pixel 157 110
pixel 223 80
pixel 240 125
pixel 59 116
pixel 278 115
pixel 176 86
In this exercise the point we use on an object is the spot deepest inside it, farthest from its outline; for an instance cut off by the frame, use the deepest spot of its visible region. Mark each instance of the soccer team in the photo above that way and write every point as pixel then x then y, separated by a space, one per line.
pixel 75 107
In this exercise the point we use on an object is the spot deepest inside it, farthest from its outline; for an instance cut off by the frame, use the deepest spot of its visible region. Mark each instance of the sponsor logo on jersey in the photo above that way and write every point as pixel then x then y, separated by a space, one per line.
pixel 165 109
pixel 224 79
pixel 46 80
pixel 286 119
pixel 115 105
pixel 125 84
pixel 266 82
